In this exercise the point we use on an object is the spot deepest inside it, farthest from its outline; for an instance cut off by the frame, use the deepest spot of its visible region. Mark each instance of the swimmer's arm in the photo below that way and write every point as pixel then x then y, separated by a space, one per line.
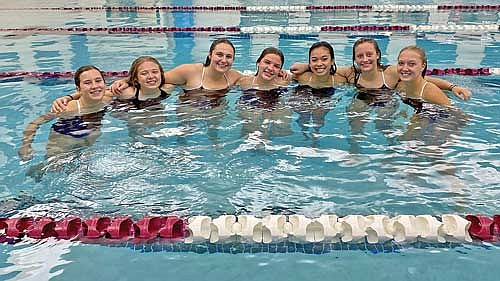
pixel 125 94
pixel 179 75
pixel 235 77
pixel 119 85
pixel 460 92
pixel 59 104
pixel 26 151
pixel 298 68
pixel 436 96
pixel 346 73
pixel 285 77
pixel 392 76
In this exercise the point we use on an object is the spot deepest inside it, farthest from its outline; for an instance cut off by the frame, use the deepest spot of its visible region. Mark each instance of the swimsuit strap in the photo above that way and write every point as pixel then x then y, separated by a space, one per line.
pixel 137 94
pixel 422 91
pixel 383 80
pixel 253 81
pixel 200 86
pixel 333 80
pixel 163 94
pixel 227 80
pixel 202 75
pixel 78 106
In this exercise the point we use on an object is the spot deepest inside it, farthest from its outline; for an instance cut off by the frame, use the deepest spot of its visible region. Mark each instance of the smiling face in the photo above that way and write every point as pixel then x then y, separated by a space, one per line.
pixel 366 56
pixel 149 75
pixel 269 66
pixel 320 61
pixel 91 84
pixel 410 65
pixel 221 58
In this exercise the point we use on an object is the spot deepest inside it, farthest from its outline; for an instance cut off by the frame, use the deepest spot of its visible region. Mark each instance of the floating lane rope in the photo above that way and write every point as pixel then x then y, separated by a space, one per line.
pixel 70 74
pixel 371 229
pixel 263 29
pixel 291 8
pixel 55 74
pixel 121 29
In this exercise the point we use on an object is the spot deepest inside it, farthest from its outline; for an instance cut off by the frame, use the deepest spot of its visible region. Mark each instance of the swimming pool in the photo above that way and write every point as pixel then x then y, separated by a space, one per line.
pixel 232 160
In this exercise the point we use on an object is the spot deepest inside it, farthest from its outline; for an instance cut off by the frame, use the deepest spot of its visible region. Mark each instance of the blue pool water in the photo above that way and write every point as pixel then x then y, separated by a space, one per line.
pixel 235 160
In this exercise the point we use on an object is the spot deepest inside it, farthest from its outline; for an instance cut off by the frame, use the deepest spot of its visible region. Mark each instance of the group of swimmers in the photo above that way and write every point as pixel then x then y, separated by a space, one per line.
pixel 148 84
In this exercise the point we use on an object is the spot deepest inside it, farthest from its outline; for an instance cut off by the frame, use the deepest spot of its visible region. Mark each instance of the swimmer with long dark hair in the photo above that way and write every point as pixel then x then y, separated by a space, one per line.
pixel 312 98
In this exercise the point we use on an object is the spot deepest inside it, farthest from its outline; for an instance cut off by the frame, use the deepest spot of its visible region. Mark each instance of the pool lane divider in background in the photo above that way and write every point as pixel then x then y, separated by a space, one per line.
pixel 371 229
pixel 69 74
pixel 388 29
pixel 276 8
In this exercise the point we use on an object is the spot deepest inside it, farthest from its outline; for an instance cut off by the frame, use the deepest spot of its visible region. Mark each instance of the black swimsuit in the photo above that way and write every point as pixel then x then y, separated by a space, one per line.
pixel 374 97
pixel 141 104
pixel 416 103
pixel 136 103
pixel 262 98
pixel 320 92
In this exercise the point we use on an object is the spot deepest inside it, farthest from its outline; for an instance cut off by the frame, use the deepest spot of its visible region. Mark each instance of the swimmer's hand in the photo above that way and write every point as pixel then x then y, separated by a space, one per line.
pixel 59 105
pixel 285 75
pixel 298 68
pixel 26 152
pixel 117 86
pixel 462 92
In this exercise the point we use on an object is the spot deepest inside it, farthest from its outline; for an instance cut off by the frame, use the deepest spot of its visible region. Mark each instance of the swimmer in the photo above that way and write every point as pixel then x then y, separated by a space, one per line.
pixel 312 98
pixel 323 72
pixel 80 124
pixel 414 88
pixel 147 86
pixel 265 87
pixel 259 105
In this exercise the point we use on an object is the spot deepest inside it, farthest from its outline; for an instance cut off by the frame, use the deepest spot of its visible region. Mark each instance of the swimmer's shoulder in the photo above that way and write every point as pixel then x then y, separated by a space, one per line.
pixel 302 78
pixel 245 82
pixel 234 76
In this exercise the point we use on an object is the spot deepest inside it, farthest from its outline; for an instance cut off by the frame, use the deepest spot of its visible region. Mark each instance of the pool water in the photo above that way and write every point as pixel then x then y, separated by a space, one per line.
pixel 308 156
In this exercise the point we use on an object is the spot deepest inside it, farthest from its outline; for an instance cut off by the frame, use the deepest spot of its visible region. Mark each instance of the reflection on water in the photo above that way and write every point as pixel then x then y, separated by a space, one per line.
pixel 36 261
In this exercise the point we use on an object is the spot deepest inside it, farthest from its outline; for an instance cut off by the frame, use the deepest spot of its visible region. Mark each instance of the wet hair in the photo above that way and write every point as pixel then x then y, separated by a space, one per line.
pixel 81 70
pixel 420 52
pixel 212 48
pixel 324 44
pixel 358 42
pixel 271 50
pixel 134 70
